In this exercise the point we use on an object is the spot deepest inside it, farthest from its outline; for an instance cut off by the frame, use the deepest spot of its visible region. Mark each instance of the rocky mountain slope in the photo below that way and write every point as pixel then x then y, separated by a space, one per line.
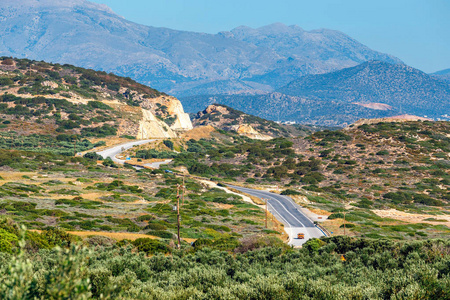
pixel 38 97
pixel 85 34
pixel 392 86
pixel 370 90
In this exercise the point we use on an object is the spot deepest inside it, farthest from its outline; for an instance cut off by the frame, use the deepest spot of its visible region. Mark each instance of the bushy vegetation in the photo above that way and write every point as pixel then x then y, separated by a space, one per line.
pixel 89 119
pixel 373 269
pixel 62 144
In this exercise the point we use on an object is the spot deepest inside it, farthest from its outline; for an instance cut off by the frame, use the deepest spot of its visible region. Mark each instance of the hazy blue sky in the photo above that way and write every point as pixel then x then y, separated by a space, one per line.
pixel 416 31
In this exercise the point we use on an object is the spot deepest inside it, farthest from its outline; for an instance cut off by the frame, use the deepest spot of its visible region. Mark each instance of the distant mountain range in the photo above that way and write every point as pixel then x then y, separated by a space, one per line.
pixel 181 63
pixel 370 90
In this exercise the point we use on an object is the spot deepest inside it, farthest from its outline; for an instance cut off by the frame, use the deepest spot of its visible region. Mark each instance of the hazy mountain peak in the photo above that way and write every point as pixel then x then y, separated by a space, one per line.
pixel 442 72
pixel 40 4
pixel 90 35
pixel 274 28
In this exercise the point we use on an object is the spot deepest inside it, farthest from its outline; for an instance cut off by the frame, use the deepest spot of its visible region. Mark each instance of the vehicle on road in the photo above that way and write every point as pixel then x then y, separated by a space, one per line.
pixel 301 236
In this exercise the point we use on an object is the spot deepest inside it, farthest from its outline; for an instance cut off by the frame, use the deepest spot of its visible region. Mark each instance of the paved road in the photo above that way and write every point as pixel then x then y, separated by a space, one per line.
pixel 156 165
pixel 287 212
pixel 113 151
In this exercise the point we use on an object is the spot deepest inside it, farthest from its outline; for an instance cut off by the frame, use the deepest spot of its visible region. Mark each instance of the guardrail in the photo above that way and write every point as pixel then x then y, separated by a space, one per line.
pixel 321 228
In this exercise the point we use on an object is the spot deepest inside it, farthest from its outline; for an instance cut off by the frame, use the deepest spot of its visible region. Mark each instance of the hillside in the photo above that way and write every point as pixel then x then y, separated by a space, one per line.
pixel 52 99
pixel 228 119
pixel 179 63
pixel 370 90
pixel 395 87
pixel 364 169
pixel 280 107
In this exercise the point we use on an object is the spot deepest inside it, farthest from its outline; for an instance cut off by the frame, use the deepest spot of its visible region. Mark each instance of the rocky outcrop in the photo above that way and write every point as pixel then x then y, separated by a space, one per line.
pixel 182 122
pixel 248 131
pixel 169 107
pixel 226 118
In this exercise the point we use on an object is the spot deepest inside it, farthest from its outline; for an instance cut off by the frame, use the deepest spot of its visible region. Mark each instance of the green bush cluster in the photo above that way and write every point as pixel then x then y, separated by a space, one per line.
pixel 373 269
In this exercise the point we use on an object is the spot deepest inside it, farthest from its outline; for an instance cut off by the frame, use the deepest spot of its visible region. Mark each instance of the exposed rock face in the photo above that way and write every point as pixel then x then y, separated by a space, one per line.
pixel 228 119
pixel 182 122
pixel 248 131
pixel 216 108
pixel 143 123
pixel 50 84
pixel 169 107
pixel 151 127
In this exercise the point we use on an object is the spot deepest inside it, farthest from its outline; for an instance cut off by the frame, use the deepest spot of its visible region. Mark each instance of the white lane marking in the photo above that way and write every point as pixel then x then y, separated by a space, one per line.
pixel 285 198
pixel 285 208
pixel 290 213
pixel 292 240
pixel 290 227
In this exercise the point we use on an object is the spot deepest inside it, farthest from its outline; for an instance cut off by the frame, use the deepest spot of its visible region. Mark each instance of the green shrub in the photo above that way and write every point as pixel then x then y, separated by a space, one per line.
pixel 155 226
pixel 161 233
pixel 336 216
pixel 150 246
pixel 290 192
pixel 168 144
pixel 8 241
pixel 58 237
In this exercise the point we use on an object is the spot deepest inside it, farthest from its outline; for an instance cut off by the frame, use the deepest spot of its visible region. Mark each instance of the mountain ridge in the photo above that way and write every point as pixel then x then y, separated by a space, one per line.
pixel 370 90
pixel 85 34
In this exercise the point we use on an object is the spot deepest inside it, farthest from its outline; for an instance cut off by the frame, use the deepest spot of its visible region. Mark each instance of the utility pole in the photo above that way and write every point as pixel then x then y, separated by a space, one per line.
pixel 178 216
pixel 184 191
pixel 266 212
pixel 74 145
pixel 344 222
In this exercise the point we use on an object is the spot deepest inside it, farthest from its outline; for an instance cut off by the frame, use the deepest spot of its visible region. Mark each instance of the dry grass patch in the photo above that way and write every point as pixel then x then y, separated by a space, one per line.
pixel 115 235
pixel 333 226
pixel 223 206
pixel 413 218
pixel 199 132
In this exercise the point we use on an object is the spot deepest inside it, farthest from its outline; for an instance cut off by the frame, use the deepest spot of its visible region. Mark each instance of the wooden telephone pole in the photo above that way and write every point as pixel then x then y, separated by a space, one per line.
pixel 344 222
pixel 266 212
pixel 178 216
pixel 75 138
pixel 184 190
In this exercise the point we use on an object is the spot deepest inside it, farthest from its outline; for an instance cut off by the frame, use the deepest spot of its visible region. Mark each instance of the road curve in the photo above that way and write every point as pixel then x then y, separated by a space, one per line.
pixel 287 212
pixel 113 151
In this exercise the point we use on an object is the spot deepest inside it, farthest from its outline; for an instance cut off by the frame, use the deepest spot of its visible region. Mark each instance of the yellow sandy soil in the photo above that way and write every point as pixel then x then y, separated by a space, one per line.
pixel 333 226
pixel 412 218
pixel 115 235
pixel 198 133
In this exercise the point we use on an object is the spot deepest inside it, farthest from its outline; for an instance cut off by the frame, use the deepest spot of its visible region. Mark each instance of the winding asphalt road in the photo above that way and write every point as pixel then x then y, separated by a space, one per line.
pixel 113 151
pixel 287 212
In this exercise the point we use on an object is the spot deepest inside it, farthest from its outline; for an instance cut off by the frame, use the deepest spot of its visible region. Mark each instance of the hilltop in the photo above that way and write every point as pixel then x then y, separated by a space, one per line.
pixel 177 62
pixel 53 99
pixel 226 118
